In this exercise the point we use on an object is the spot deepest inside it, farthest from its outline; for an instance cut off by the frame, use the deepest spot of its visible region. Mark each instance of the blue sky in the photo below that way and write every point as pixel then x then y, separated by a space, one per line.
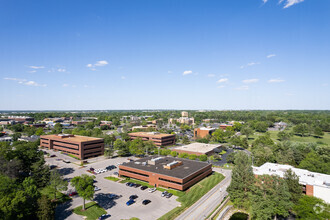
pixel 164 54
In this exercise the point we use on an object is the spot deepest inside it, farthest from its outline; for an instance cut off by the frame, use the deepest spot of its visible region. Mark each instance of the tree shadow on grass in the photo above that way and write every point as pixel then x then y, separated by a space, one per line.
pixel 106 200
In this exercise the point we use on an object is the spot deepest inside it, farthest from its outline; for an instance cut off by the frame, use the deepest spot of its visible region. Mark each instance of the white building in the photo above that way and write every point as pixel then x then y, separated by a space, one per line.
pixel 314 184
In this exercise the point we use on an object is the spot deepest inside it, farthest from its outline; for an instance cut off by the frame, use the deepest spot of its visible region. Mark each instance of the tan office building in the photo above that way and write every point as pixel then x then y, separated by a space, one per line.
pixel 79 146
pixel 156 137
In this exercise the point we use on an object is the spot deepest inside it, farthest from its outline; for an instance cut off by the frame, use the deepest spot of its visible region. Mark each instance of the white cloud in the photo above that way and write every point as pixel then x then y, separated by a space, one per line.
pixel 211 75
pixel 242 88
pixel 187 72
pixel 101 63
pixel 36 67
pixel 276 80
pixel 32 71
pixel 271 55
pixel 25 82
pixel 169 71
pixel 65 85
pixel 250 81
pixel 123 77
pixel 222 80
pixel 287 3
pixel 325 84
pixel 61 70
pixel 250 64
pixel 220 87
pixel 98 63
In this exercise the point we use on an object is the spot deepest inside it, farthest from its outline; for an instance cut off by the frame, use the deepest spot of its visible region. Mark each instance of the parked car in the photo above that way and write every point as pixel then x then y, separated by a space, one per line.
pixel 91 169
pixel 133 197
pixel 66 161
pixel 169 195
pixel 137 185
pixel 130 202
pixel 53 155
pixel 143 187
pixel 104 216
pixel 73 193
pixel 164 193
pixel 96 188
pixel 146 202
pixel 151 190
pixel 116 173
pixel 128 183
pixel 52 167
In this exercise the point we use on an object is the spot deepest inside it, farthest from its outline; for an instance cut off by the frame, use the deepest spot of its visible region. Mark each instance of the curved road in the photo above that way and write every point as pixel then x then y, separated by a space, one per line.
pixel 205 205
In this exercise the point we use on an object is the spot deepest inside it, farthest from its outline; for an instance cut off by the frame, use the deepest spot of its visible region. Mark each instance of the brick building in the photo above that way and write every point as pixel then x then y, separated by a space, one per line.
pixel 203 132
pixel 313 184
pixel 168 172
pixel 156 137
pixel 224 127
pixel 80 146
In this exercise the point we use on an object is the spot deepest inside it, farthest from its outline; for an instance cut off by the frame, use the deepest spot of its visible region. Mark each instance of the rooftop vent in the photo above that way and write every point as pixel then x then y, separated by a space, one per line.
pixel 172 165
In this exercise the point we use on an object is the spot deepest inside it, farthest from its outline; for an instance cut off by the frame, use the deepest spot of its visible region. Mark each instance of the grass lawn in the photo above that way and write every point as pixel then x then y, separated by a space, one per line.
pixel 311 139
pixel 193 194
pixel 61 197
pixel 92 212
pixel 115 179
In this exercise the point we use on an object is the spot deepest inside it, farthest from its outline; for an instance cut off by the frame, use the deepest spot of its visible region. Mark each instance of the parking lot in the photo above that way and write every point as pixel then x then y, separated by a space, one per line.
pixel 116 206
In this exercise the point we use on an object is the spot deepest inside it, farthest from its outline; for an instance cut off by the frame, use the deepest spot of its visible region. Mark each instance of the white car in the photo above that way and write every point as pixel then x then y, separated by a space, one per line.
pixel 96 188
pixel 151 190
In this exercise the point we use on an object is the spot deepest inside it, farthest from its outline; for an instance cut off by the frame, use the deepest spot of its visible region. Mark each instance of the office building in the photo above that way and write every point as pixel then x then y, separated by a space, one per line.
pixel 168 172
pixel 79 146
pixel 198 149
pixel 203 132
pixel 156 137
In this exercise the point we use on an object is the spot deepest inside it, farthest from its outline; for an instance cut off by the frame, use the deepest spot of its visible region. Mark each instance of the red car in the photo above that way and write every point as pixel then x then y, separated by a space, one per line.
pixel 73 194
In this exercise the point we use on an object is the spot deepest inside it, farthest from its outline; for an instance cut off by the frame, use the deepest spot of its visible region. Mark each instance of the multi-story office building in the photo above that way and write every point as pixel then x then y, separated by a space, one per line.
pixel 168 172
pixel 198 149
pixel 80 146
pixel 156 137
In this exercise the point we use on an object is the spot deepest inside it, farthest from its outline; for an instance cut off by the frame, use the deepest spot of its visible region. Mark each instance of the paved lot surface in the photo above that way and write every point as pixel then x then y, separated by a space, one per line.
pixel 115 207
pixel 205 205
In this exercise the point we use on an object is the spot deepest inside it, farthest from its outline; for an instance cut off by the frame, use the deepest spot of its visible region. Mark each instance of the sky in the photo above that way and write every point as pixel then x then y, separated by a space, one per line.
pixel 164 54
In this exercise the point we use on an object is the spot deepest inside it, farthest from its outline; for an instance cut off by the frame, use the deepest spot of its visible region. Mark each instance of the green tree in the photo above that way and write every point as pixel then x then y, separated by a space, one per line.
pixel 292 181
pixel 301 129
pixel 242 180
pixel 261 126
pixel 45 209
pixel 284 136
pixel 202 157
pixel 108 152
pixel 192 157
pixel 84 186
pixel 315 163
pixel 136 147
pixel 185 140
pixel 40 173
pixel 57 128
pixel 318 132
pixel 270 198
pixel 121 147
pixel 40 131
pixel 309 207
pixel 174 154
pixel 56 183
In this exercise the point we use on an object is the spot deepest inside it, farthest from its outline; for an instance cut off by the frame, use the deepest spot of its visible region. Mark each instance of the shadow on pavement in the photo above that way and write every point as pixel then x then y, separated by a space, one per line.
pixel 65 171
pixel 107 200
pixel 63 211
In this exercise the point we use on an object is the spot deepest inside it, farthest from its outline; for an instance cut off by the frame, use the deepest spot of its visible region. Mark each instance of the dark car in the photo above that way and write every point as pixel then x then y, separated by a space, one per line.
pixel 73 194
pixel 91 169
pixel 168 195
pixel 130 202
pixel 146 202
pixel 164 193
pixel 137 185
pixel 52 167
pixel 53 155
pixel 133 197
pixel 143 187
pixel 104 216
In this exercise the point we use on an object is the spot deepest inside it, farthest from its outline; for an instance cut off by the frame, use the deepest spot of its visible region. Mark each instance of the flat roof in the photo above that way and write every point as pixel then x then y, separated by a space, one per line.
pixel 207 129
pixel 150 134
pixel 75 138
pixel 198 147
pixel 187 168
pixel 305 177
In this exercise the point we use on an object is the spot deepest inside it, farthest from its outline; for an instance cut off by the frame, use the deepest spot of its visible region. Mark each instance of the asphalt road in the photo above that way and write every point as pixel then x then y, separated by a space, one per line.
pixel 204 206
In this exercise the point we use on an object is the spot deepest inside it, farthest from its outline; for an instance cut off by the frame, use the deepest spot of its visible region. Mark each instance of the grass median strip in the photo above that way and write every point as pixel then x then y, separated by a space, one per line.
pixel 115 179
pixel 93 211
pixel 193 195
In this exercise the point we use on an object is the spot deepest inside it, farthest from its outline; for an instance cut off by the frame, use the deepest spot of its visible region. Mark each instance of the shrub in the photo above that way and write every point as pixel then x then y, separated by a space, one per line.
pixel 183 155
pixel 203 157
pixel 174 154
pixel 192 157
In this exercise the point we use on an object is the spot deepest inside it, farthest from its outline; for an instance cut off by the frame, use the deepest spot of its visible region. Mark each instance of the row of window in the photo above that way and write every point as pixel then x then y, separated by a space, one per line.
pixel 129 171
